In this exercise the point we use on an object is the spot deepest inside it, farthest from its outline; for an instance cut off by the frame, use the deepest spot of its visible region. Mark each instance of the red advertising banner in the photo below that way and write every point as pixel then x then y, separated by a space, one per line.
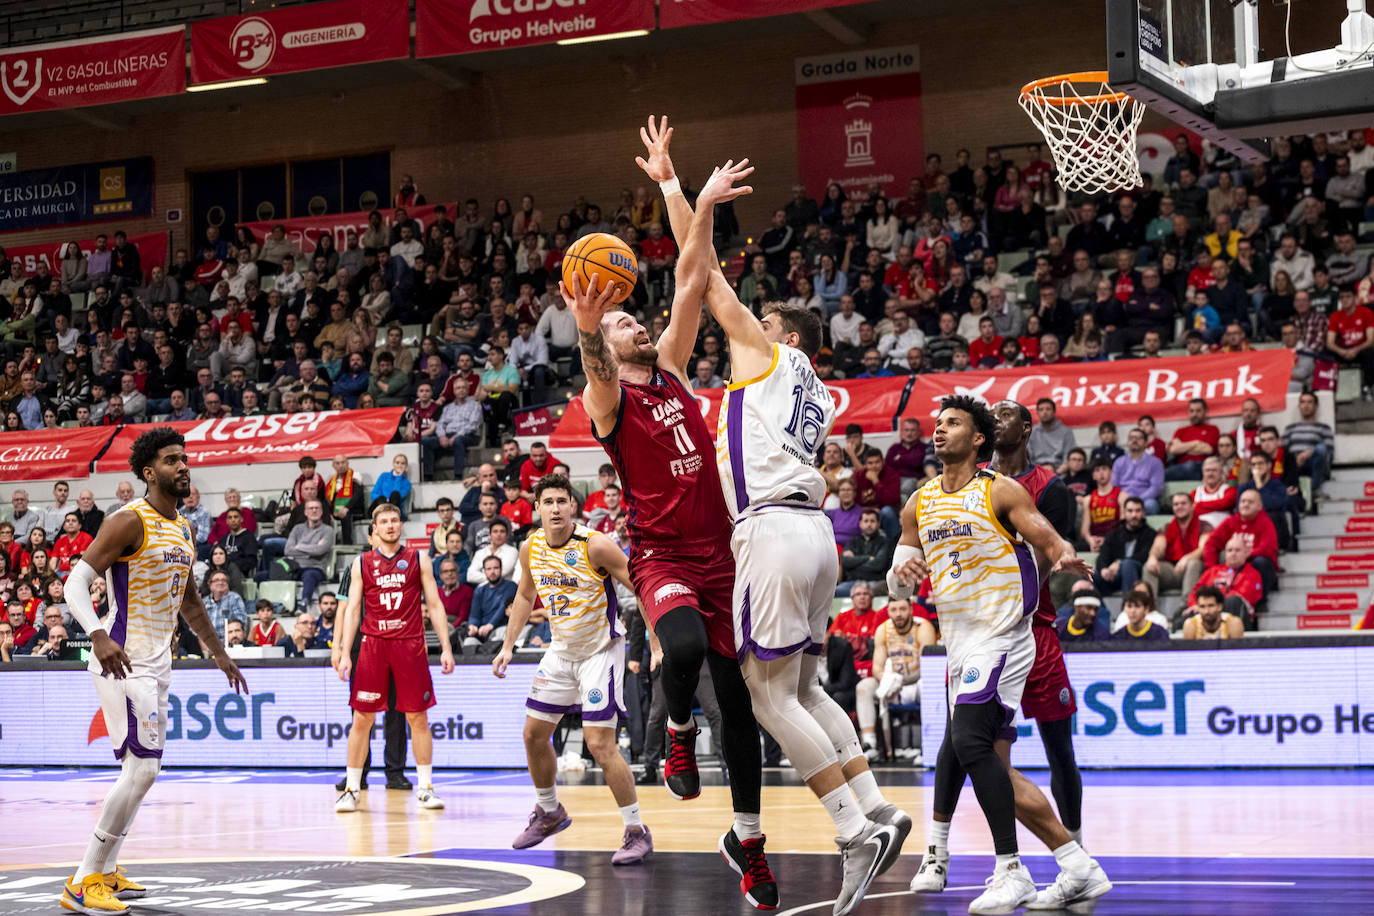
pixel 464 26
pixel 45 454
pixel 675 13
pixel 1343 580
pixel 1086 393
pixel 1355 543
pixel 1324 622
pixel 273 437
pixel 1333 601
pixel 1364 505
pixel 1350 562
pixel 859 120
pixel 1359 524
pixel 310 37
pixel 302 231
pixel 152 252
pixel 93 71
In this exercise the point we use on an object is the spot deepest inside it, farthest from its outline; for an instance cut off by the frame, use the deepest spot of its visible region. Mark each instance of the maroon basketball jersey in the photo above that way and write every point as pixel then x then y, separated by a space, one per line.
pixel 393 598
pixel 665 455
pixel 1036 480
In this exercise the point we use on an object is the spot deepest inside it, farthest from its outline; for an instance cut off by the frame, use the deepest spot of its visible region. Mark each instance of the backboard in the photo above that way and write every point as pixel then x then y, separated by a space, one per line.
pixel 1205 65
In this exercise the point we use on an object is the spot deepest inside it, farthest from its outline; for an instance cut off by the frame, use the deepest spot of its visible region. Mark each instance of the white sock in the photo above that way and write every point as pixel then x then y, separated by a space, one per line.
pixel 547 798
pixel 630 815
pixel 939 838
pixel 425 772
pixel 865 789
pixel 1072 859
pixel 96 852
pixel 869 737
pixel 748 826
pixel 844 811
pixel 678 727
pixel 1006 862
pixel 112 856
pixel 354 779
pixel 1077 835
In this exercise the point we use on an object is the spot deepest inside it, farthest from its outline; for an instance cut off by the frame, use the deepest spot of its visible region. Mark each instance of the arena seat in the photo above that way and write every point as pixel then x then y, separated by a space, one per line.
pixel 283 593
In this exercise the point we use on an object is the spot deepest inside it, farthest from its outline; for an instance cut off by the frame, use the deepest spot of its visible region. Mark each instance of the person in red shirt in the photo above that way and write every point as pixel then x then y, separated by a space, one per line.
pixel 605 475
pixel 234 314
pixel 24 632
pixel 308 473
pixel 1153 443
pixel 1249 427
pixel 463 370
pixel 539 462
pixel 880 488
pixel 518 509
pixel 1176 556
pixel 1191 444
pixel 1252 524
pixel 857 626
pixel 71 543
pixel 1241 585
pixel 986 348
pixel 658 255
pixel 268 629
pixel 1215 500
pixel 1350 335
pixel 1201 276
pixel 1102 507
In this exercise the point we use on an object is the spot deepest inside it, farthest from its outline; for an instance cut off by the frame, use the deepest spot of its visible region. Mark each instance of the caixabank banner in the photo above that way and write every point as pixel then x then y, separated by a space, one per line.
pixel 292 717
pixel 1277 707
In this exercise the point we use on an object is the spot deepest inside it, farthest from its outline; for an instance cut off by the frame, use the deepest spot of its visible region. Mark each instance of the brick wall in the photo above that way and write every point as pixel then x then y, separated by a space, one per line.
pixel 558 134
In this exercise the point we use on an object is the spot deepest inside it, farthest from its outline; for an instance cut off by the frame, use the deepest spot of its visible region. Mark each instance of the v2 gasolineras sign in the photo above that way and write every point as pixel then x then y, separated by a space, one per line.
pixel 93 71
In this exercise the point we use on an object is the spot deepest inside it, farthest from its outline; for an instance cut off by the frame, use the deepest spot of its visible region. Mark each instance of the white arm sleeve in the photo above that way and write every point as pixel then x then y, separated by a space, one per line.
pixel 895 587
pixel 77 592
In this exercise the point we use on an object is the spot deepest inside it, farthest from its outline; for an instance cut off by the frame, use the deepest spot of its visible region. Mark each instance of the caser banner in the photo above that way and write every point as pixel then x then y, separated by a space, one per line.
pixel 302 231
pixel 293 717
pixel 1086 393
pixel 271 437
pixel 464 26
pixel 313 37
pixel 152 251
pixel 1201 708
pixel 44 454
pixel 84 193
pixel 93 71
pixel 675 13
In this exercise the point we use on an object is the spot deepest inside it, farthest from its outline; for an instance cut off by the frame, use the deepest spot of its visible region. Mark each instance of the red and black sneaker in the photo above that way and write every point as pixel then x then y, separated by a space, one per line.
pixel 680 768
pixel 747 859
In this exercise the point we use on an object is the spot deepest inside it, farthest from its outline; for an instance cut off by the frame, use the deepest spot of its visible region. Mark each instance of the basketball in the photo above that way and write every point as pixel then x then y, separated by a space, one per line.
pixel 606 256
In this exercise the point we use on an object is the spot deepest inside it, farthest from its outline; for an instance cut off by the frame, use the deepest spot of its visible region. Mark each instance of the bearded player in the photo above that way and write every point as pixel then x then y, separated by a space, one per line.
pixel 573 569
pixel 643 413
pixel 1048 696
pixel 388 585
pixel 976 534
pixel 145 551
pixel 775 415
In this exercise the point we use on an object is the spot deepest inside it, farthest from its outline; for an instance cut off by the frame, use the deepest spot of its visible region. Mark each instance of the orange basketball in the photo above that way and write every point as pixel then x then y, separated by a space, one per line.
pixel 606 256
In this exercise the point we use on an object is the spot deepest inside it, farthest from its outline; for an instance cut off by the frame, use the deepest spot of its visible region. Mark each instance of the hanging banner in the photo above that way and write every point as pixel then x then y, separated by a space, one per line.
pixel 675 13
pixel 67 194
pixel 152 251
pixel 302 231
pixel 463 26
pixel 269 438
pixel 1086 393
pixel 93 71
pixel 859 120
pixel 312 37
pixel 45 454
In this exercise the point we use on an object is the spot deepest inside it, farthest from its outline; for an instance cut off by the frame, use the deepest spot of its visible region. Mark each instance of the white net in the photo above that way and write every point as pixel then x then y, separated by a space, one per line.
pixel 1091 133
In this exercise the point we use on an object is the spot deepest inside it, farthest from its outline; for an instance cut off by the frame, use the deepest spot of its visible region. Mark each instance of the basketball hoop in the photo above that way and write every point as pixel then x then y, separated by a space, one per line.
pixel 1090 129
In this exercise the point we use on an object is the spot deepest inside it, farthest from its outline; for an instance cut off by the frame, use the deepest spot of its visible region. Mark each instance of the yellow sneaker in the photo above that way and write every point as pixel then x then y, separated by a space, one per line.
pixel 91 896
pixel 119 884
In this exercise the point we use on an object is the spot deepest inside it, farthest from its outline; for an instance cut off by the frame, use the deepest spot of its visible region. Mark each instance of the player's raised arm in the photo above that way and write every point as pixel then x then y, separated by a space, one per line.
pixel 348 625
pixel 676 342
pixel 750 352
pixel 438 617
pixel 601 397
pixel 909 568
pixel 519 614
pixel 1011 501
pixel 194 613
pixel 121 535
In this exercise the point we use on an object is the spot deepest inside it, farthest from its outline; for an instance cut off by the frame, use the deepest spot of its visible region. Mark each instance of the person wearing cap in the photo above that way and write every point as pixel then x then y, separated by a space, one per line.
pixel 1084 624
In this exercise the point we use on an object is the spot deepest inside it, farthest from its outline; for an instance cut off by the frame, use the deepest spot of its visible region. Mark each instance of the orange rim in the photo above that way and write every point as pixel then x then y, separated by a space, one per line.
pixel 1032 89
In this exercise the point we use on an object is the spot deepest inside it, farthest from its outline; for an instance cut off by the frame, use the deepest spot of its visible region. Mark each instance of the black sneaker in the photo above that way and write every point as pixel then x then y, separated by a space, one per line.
pixel 680 773
pixel 399 782
pixel 343 784
pixel 747 859
pixel 649 777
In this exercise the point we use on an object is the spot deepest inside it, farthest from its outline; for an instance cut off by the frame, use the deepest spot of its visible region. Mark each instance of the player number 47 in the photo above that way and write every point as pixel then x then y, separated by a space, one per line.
pixel 390 600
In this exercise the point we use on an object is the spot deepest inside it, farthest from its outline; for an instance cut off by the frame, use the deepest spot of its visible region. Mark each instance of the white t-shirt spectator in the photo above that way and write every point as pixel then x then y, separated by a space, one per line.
pixel 509 556
pixel 845 329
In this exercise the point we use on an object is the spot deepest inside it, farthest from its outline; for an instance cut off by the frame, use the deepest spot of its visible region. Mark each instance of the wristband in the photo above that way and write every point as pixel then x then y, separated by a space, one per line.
pixel 670 187
pixel 896 588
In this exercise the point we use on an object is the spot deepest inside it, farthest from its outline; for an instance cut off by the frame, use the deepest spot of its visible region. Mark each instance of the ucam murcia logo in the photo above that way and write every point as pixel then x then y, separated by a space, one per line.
pixel 21 78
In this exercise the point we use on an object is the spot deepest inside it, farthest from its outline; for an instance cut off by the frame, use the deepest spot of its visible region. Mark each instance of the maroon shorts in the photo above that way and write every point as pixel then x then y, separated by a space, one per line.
pixel 381 661
pixel 1048 696
pixel 702 579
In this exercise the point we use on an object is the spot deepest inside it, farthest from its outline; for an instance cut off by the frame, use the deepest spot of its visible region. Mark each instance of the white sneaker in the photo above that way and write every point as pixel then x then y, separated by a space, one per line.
pixel 862 859
pixel 347 801
pixel 1008 889
pixel 933 874
pixel 870 753
pixel 428 798
pixel 1067 889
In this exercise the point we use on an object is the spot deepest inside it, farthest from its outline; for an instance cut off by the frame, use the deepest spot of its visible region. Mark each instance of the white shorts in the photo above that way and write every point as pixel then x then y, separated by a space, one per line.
pixel 592 686
pixel 994 668
pixel 786 567
pixel 135 710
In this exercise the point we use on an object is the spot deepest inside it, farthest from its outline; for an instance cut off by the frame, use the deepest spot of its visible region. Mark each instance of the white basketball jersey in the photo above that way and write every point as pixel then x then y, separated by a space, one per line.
pixel 768 433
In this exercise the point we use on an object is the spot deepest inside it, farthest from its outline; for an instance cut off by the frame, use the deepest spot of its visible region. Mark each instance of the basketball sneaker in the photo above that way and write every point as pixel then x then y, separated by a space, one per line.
pixel 119 884
pixel 346 802
pixel 680 768
pixel 635 847
pixel 543 824
pixel 862 856
pixel 1068 889
pixel 900 821
pixel 1008 889
pixel 430 799
pixel 933 874
pixel 746 857
pixel 91 895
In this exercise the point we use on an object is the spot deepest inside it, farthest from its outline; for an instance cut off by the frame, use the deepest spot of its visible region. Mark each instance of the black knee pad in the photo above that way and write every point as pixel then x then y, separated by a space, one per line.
pixel 974 729
pixel 682 634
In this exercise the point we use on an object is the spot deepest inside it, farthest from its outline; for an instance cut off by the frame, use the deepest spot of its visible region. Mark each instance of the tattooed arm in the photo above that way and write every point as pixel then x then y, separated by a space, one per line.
pixel 601 397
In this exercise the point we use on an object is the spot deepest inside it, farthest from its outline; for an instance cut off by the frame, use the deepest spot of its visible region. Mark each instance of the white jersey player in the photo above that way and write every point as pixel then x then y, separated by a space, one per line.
pixel 776 414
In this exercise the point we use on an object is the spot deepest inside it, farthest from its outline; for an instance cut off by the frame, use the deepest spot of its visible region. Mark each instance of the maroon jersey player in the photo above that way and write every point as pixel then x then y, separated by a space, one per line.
pixel 390 585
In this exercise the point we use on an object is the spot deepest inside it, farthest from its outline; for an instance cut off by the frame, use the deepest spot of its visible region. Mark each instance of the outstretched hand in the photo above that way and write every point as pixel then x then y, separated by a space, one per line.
pixel 656 137
pixel 1070 563
pixel 721 185
pixel 588 306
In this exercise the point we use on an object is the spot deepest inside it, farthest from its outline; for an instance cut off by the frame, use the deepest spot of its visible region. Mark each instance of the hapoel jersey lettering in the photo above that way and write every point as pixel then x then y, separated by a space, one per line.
pixel 580 600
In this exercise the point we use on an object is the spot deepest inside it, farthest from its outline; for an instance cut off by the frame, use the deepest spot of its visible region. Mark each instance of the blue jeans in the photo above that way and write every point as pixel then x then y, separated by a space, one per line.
pixel 311 579
pixel 1151 505
pixel 429 450
pixel 1187 470
pixel 269 549
pixel 1127 576
pixel 538 382
pixel 1318 467
pixel 890 520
